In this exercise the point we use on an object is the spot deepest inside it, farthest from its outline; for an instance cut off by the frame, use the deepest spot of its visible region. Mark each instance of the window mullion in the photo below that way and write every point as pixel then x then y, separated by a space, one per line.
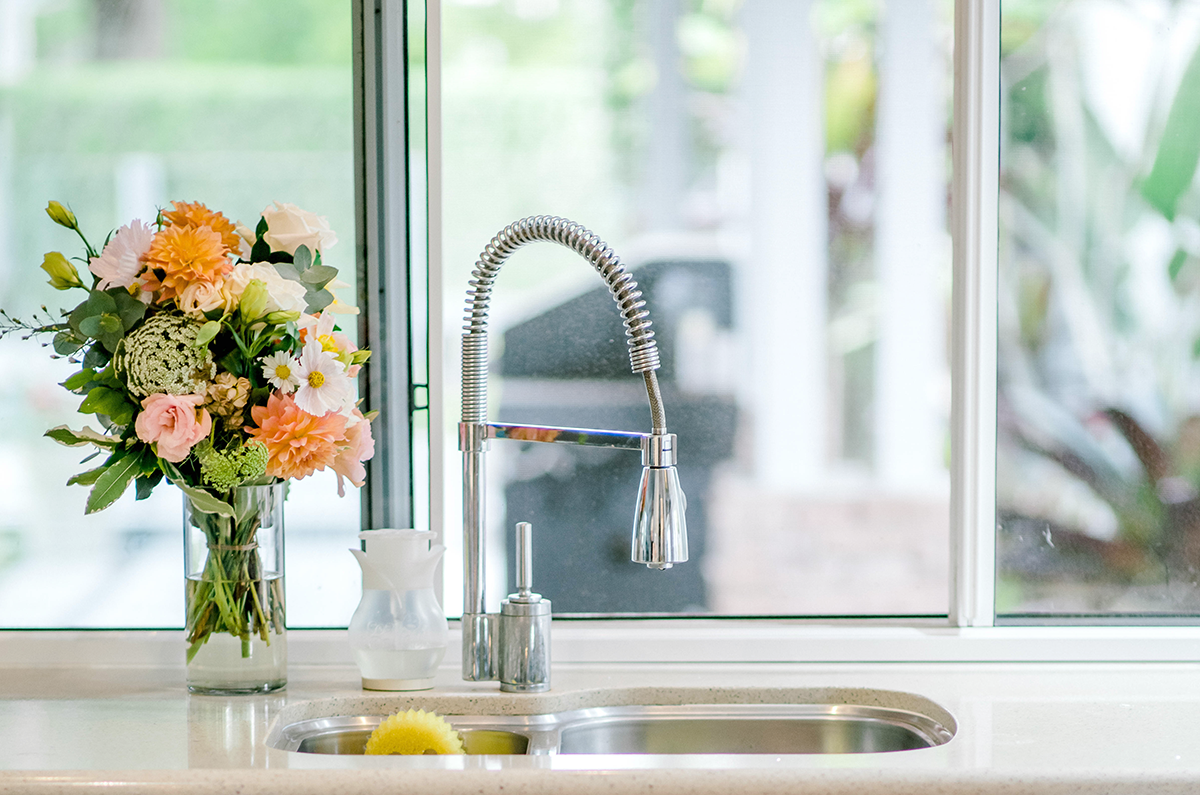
pixel 975 185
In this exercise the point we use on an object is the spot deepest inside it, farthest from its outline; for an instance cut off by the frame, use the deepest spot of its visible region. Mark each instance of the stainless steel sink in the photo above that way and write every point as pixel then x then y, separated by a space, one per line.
pixel 689 729
pixel 740 729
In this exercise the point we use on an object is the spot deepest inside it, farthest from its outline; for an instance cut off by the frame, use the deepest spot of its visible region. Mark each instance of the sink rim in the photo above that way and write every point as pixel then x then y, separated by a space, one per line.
pixel 545 731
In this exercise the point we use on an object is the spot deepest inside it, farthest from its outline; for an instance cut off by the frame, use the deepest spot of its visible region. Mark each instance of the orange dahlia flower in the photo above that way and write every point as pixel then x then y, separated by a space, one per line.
pixel 298 443
pixel 195 215
pixel 184 255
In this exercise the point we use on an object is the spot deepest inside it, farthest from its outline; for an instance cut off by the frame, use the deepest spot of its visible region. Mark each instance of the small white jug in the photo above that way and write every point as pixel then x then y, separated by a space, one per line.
pixel 399 631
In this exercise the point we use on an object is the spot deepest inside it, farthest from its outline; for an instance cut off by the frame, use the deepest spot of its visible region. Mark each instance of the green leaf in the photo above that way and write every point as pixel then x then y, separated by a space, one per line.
pixel 65 436
pixel 261 229
pixel 145 484
pixel 129 309
pixel 1176 264
pixel 68 342
pixel 207 332
pixel 110 324
pixel 112 483
pixel 110 402
pixel 1179 148
pixel 318 275
pixel 317 300
pixel 96 357
pixel 87 478
pixel 287 271
pixel 90 326
pixel 99 302
pixel 79 380
pixel 260 251
pixel 204 501
pixel 303 258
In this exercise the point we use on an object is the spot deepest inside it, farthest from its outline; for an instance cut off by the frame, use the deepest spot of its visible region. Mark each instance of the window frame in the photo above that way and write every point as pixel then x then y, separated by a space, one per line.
pixel 969 632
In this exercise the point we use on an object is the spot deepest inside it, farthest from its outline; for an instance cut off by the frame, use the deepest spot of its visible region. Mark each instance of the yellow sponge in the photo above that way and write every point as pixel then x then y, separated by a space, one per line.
pixel 414 732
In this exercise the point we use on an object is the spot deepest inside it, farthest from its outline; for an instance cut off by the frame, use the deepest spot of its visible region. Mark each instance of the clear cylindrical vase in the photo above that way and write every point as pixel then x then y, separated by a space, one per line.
pixel 236 628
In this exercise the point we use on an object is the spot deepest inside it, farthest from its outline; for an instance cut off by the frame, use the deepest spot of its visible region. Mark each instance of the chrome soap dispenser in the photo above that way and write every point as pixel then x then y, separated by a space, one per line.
pixel 399 632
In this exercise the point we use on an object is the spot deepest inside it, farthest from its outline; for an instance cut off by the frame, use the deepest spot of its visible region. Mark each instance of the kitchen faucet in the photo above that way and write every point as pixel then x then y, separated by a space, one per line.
pixel 514 645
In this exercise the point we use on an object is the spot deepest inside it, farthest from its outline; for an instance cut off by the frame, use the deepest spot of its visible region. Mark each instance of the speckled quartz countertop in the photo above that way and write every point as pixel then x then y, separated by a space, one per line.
pixel 71 723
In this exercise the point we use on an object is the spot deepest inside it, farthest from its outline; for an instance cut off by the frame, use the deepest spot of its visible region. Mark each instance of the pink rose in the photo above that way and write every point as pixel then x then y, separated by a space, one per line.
pixel 360 446
pixel 175 422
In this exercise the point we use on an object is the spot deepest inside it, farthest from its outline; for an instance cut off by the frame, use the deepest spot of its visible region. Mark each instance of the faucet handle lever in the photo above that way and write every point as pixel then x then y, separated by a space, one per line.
pixel 524 560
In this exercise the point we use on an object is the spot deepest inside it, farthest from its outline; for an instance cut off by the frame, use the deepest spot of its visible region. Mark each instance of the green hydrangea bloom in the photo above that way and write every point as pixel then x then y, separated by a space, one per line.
pixel 225 469
pixel 160 356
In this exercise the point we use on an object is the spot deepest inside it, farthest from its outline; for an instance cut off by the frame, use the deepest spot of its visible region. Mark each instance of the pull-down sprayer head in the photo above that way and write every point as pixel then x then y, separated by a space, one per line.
pixel 659 527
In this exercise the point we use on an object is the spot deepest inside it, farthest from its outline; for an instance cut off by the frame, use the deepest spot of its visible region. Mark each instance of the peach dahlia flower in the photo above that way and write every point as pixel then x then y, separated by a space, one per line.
pixel 298 443
pixel 184 255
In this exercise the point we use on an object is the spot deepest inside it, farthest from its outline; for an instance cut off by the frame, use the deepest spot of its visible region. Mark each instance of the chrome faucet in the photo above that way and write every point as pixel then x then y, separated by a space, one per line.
pixel 514 645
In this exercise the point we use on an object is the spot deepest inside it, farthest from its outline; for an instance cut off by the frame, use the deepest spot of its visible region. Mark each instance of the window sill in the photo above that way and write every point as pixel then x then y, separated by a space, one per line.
pixel 675 641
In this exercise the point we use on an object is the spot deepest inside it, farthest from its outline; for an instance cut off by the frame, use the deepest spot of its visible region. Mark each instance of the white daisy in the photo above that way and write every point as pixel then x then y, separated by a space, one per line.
pixel 281 370
pixel 324 386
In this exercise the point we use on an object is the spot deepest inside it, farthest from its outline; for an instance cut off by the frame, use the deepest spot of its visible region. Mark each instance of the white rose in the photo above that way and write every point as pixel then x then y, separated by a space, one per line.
pixel 289 227
pixel 200 297
pixel 283 295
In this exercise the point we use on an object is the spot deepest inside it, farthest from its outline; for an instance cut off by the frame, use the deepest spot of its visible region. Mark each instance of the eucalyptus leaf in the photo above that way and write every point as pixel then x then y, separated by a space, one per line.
pixel 99 302
pixel 317 300
pixel 287 270
pixel 112 483
pixel 319 275
pixel 303 258
pixel 129 309
pixel 110 324
pixel 68 342
pixel 90 326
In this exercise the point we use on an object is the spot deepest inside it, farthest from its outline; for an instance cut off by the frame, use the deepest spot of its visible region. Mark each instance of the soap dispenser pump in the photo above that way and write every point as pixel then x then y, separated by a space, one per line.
pixel 398 633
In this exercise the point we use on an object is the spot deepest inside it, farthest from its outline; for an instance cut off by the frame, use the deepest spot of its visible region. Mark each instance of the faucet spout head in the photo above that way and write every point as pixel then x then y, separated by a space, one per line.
pixel 659 526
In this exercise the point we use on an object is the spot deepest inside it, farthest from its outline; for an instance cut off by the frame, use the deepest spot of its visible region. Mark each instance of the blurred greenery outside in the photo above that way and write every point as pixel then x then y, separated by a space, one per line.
pixel 234 103
pixel 1099 388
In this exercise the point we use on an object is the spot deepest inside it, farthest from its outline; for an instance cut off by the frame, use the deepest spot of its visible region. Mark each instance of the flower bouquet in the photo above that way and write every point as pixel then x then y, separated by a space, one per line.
pixel 210 356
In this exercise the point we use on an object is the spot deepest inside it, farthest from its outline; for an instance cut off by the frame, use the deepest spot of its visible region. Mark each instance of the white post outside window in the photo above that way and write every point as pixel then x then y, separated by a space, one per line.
pixel 782 284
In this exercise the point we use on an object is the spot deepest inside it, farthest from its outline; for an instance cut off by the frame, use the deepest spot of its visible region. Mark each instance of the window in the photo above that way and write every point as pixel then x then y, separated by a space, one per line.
pixel 117 108
pixel 776 176
pixel 1098 459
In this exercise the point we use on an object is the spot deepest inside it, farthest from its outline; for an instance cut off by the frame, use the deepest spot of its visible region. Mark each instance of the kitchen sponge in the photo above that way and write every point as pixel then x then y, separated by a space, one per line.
pixel 414 732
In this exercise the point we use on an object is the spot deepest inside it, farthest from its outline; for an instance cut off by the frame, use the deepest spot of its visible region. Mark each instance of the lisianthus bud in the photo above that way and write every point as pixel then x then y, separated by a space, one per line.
pixel 281 317
pixel 360 357
pixel 61 215
pixel 253 303
pixel 63 275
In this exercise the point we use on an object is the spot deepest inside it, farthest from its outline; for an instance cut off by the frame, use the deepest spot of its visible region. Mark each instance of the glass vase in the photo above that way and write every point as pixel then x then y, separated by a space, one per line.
pixel 236 628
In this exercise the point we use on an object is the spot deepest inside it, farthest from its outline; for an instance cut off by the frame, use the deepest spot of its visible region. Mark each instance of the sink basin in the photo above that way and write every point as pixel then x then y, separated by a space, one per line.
pixel 740 729
pixel 687 729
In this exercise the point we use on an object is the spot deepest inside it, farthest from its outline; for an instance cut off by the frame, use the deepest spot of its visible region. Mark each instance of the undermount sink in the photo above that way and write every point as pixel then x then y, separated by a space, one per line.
pixel 686 729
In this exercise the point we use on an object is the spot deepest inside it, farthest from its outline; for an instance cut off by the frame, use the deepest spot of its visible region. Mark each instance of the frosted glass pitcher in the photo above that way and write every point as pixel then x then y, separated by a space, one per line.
pixel 398 633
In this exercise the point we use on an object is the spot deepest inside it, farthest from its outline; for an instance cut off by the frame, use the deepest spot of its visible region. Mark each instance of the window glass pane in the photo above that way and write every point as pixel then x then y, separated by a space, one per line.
pixel 775 174
pixel 118 107
pixel 1098 460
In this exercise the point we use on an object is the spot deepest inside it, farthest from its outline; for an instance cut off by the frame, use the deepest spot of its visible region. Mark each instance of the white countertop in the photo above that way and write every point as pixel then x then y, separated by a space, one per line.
pixel 127 720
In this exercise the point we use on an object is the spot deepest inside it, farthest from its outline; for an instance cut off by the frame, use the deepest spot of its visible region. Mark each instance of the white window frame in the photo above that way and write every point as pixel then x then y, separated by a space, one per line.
pixel 969 633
